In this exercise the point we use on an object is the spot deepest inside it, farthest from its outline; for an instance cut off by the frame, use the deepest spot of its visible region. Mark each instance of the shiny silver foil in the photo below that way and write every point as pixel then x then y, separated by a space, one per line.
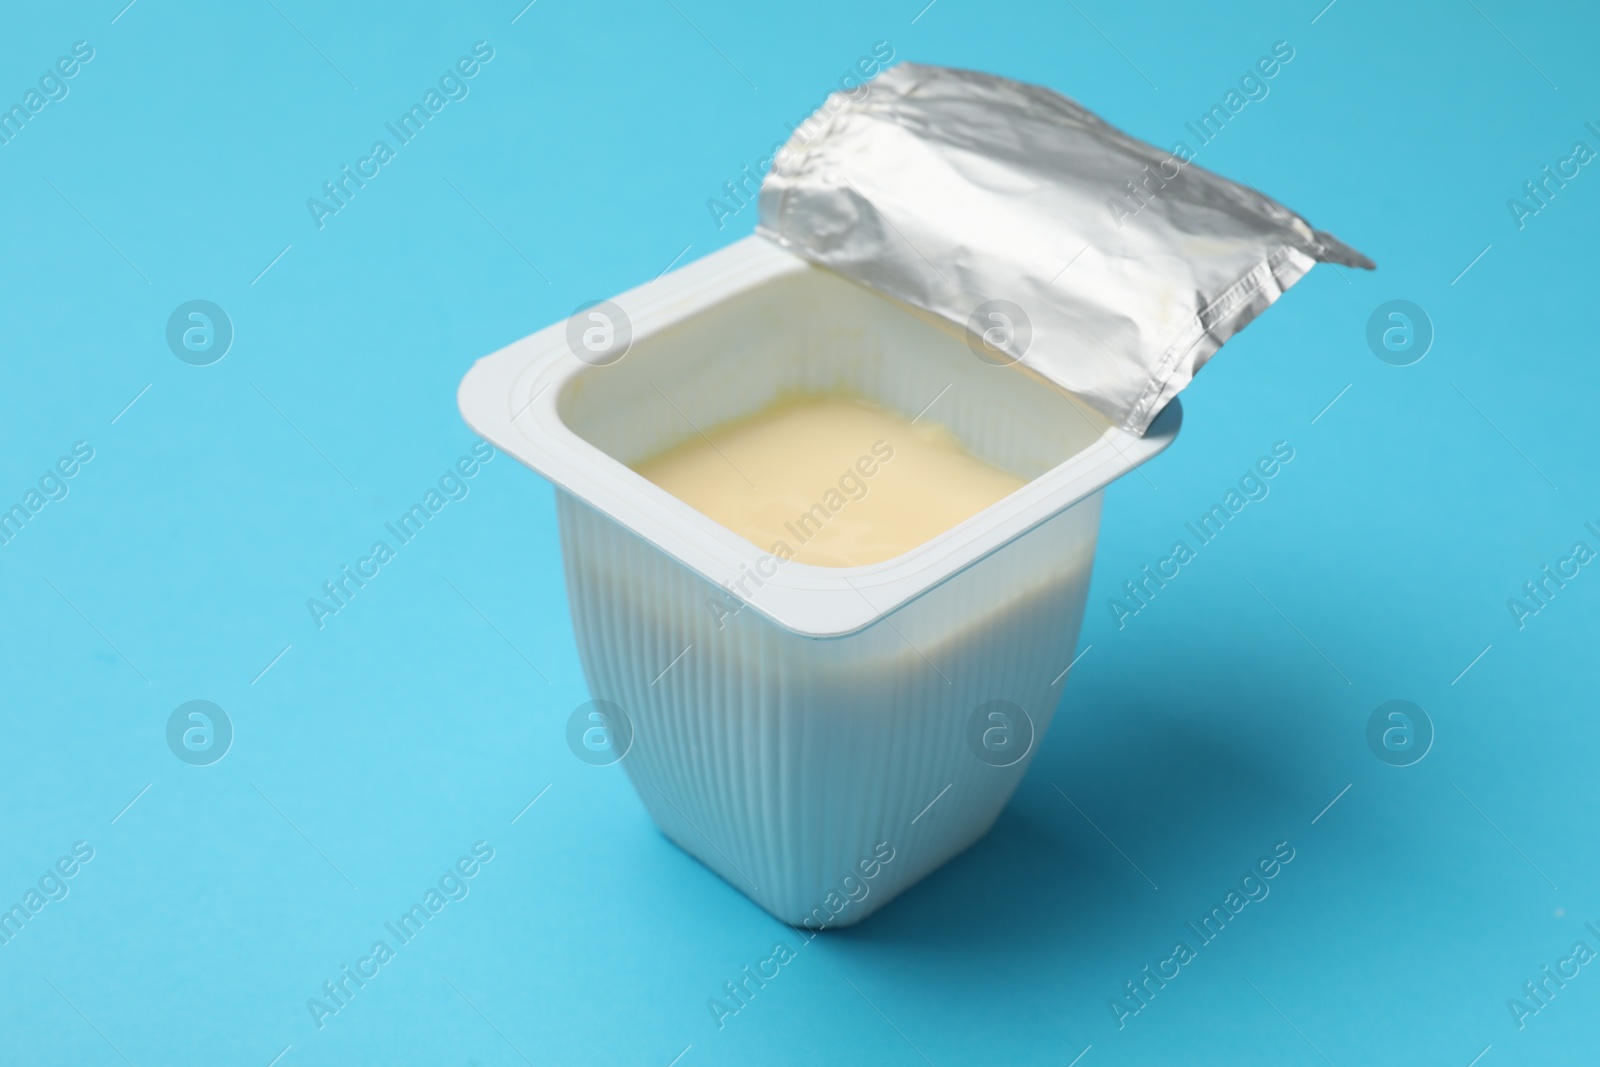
pixel 1043 234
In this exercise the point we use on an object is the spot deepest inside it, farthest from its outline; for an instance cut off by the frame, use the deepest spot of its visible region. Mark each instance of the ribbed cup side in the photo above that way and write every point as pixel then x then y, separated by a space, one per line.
pixel 780 761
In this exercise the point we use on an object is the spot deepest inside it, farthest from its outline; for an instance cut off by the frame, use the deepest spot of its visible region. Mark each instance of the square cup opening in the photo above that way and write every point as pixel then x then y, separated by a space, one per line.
pixel 813 332
pixel 724 337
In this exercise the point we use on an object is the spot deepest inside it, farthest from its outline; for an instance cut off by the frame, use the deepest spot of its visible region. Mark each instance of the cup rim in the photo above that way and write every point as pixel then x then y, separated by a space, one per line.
pixel 511 398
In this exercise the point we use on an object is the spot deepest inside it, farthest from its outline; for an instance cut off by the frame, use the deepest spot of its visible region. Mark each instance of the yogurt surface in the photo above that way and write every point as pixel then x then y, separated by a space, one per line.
pixel 829 480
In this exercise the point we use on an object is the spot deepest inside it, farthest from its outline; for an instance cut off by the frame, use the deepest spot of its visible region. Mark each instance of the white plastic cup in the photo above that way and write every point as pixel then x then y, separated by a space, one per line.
pixel 793 724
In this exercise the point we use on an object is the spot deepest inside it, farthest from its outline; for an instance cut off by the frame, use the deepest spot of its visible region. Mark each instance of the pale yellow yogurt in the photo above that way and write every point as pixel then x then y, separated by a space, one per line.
pixel 830 480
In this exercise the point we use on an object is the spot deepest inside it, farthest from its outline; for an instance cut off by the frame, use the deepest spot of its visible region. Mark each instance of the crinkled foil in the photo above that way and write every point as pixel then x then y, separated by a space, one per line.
pixel 1045 235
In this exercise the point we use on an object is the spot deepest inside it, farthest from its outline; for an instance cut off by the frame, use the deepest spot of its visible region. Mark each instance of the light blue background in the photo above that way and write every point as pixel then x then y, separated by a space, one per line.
pixel 417 721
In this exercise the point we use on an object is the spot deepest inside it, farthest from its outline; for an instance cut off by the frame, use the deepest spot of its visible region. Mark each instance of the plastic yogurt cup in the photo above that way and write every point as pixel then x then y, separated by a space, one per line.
pixel 937 241
pixel 792 724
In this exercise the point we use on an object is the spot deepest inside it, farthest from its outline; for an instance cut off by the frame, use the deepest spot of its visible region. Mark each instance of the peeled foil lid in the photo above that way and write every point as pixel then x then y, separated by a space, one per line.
pixel 1048 237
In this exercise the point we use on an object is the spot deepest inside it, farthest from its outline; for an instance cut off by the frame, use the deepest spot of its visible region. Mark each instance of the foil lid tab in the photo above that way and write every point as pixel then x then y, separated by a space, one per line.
pixel 1048 237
